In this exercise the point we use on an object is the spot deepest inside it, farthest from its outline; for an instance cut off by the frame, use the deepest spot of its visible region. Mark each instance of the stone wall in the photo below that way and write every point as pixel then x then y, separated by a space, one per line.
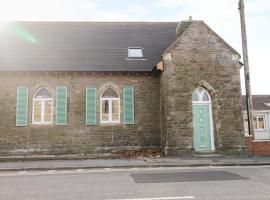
pixel 163 105
pixel 201 58
pixel 76 137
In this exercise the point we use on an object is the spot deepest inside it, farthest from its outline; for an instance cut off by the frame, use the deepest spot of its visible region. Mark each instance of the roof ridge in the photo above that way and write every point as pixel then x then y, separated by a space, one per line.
pixel 101 22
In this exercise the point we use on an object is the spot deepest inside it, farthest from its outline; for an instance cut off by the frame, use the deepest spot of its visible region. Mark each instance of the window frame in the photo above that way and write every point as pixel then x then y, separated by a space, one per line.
pixel 42 109
pixel 256 116
pixel 200 92
pixel 135 57
pixel 257 122
pixel 110 99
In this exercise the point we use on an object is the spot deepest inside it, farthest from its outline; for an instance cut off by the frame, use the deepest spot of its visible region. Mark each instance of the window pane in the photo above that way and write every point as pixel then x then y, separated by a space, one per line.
pixel 261 122
pixel 199 90
pixel 246 124
pixel 110 92
pixel 115 110
pixel 205 97
pixel 48 111
pixel 135 53
pixel 255 123
pixel 105 110
pixel 195 96
pixel 43 93
pixel 37 111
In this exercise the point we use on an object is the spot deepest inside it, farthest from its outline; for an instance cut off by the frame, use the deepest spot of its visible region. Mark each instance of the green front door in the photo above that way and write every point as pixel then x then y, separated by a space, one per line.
pixel 201 123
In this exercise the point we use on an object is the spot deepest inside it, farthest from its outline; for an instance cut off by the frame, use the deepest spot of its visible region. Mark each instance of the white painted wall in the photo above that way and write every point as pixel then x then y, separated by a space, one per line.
pixel 262 134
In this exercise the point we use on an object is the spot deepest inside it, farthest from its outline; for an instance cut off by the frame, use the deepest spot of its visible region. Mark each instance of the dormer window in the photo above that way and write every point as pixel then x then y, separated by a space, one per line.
pixel 135 53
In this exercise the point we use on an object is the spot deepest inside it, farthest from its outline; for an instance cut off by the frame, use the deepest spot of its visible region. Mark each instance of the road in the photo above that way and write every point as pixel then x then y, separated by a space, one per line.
pixel 206 183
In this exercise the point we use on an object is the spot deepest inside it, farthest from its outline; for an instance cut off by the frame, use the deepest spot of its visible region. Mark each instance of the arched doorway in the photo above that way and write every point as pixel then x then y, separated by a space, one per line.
pixel 202 121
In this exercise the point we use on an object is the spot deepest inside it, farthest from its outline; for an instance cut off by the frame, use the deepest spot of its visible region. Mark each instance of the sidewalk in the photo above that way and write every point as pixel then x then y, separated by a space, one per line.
pixel 141 162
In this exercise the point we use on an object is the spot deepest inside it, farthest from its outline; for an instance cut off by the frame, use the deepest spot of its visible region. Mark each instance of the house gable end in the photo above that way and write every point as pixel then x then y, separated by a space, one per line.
pixel 188 28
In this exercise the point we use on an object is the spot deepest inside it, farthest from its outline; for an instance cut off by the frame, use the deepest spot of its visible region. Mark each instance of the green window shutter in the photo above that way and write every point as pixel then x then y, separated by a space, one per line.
pixel 90 117
pixel 61 105
pixel 22 106
pixel 128 105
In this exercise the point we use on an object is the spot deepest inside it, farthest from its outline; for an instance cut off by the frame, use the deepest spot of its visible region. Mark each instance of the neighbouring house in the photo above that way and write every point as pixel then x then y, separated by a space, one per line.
pixel 88 87
pixel 260 144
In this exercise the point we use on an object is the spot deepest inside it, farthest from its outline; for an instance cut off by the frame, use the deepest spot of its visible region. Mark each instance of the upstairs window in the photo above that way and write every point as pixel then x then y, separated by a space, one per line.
pixel 110 106
pixel 42 107
pixel 135 53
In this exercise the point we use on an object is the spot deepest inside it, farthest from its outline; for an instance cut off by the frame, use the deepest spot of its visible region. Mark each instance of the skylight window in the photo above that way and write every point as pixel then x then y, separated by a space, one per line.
pixel 135 52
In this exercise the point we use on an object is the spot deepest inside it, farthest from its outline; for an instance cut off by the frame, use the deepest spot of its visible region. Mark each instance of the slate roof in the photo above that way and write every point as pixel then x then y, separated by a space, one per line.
pixel 182 26
pixel 259 102
pixel 82 46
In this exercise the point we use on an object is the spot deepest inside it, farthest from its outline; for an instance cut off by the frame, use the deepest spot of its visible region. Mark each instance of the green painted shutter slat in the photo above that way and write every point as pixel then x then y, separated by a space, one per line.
pixel 61 105
pixel 128 105
pixel 90 106
pixel 22 106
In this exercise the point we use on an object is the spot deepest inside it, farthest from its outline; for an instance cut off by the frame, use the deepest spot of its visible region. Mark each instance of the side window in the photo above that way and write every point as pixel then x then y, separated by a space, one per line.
pixel 259 122
pixel 245 122
pixel 109 106
pixel 42 107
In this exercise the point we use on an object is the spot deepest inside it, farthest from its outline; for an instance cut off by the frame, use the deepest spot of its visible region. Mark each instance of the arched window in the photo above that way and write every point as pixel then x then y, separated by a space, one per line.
pixel 42 107
pixel 110 106
pixel 201 96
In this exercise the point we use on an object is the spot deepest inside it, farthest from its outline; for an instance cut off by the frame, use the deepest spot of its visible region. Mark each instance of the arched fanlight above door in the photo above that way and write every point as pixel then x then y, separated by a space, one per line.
pixel 201 96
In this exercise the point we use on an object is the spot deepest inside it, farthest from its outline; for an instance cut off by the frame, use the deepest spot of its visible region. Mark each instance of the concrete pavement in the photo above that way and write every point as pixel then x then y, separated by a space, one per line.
pixel 201 183
pixel 140 162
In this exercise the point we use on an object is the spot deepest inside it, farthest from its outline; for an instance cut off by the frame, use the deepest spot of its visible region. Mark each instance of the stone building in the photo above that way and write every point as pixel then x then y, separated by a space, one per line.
pixel 87 87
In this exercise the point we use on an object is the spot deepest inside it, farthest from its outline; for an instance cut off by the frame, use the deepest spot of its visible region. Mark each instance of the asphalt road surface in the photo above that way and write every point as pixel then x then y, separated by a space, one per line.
pixel 207 183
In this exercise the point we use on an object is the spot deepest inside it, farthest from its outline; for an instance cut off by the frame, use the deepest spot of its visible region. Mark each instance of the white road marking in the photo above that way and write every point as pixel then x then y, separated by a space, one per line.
pixel 160 198
pixel 22 172
pixel 51 171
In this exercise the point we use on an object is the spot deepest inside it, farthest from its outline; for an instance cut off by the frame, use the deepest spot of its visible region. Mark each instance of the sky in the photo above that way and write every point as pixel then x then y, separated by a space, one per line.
pixel 220 15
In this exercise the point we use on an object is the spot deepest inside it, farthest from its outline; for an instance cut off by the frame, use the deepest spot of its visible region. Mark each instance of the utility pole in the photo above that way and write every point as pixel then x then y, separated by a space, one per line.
pixel 246 68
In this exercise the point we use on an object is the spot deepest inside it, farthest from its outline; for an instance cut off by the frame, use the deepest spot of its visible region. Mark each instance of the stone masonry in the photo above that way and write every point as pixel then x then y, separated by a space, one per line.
pixel 77 137
pixel 163 103
pixel 199 57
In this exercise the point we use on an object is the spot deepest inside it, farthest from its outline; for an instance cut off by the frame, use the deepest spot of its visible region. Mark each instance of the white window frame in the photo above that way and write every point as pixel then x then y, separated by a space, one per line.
pixel 245 121
pixel 110 99
pixel 200 96
pixel 135 57
pixel 42 100
pixel 257 122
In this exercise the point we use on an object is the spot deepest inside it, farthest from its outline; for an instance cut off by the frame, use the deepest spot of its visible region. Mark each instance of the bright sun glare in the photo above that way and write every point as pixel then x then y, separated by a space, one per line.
pixel 25 10
pixel 3 25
